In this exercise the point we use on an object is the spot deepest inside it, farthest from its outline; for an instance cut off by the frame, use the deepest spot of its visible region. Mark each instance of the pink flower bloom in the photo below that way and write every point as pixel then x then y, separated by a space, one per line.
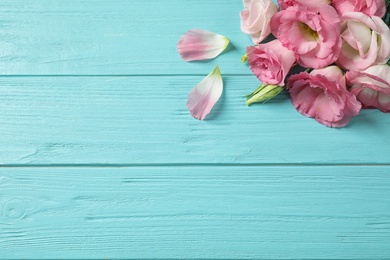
pixel 312 4
pixel 366 41
pixel 371 87
pixel 284 4
pixel 205 94
pixel 368 7
pixel 322 95
pixel 270 62
pixel 198 44
pixel 255 18
pixel 313 36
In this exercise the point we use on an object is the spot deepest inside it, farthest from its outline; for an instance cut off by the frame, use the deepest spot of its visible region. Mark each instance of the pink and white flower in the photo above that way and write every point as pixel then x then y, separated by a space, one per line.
pixel 255 18
pixel 198 44
pixel 367 7
pixel 371 87
pixel 205 94
pixel 366 41
pixel 323 96
pixel 314 36
pixel 270 62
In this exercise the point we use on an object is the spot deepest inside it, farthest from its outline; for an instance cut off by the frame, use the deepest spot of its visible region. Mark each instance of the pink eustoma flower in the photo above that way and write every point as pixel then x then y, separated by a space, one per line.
pixel 371 87
pixel 366 41
pixel 198 44
pixel 323 96
pixel 205 94
pixel 270 62
pixel 367 7
pixel 313 36
pixel 312 4
pixel 255 18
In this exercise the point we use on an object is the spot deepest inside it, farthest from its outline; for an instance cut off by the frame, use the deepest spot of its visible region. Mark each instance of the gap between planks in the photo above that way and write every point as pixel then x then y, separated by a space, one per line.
pixel 117 75
pixel 131 165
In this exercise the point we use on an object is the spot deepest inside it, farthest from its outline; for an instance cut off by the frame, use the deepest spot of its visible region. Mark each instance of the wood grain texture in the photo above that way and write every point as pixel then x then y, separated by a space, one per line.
pixel 113 37
pixel 143 120
pixel 99 157
pixel 195 212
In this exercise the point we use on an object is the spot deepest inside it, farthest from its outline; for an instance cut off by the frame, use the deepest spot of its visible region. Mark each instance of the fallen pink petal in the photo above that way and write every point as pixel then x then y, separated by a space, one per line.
pixel 205 95
pixel 198 44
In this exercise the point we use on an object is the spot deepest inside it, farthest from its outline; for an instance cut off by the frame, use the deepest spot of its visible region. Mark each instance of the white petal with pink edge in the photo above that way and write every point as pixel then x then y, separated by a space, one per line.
pixel 205 94
pixel 198 44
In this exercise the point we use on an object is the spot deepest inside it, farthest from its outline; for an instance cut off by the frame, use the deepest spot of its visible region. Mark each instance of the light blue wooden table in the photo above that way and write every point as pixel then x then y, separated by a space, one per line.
pixel 100 158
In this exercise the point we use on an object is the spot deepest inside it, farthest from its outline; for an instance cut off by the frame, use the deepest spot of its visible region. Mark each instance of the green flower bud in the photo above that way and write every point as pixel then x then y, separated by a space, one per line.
pixel 263 93
pixel 244 58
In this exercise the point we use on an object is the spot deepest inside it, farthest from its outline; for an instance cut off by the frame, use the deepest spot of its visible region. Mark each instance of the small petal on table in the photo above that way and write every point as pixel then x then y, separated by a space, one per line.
pixel 205 94
pixel 200 44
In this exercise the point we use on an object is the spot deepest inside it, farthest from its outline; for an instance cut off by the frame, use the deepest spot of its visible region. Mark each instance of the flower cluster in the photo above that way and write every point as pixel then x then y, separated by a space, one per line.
pixel 341 48
pixel 325 39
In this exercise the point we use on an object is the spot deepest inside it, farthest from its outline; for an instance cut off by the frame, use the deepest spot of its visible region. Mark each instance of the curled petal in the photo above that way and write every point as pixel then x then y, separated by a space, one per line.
pixel 371 87
pixel 368 7
pixel 270 62
pixel 326 100
pixel 366 41
pixel 314 36
pixel 205 94
pixel 332 73
pixel 198 44
pixel 255 18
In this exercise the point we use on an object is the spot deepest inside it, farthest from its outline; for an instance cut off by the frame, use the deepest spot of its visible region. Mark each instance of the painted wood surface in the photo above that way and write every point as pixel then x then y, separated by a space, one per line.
pixel 100 159
pixel 196 212
pixel 143 120
pixel 112 36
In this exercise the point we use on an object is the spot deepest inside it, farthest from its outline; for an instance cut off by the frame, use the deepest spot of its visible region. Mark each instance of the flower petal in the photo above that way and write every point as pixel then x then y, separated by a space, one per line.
pixel 205 94
pixel 198 44
pixel 332 73
pixel 323 99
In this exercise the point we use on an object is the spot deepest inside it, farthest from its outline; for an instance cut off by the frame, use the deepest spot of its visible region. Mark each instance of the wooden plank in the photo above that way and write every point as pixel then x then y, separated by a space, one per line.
pixel 195 212
pixel 143 120
pixel 113 36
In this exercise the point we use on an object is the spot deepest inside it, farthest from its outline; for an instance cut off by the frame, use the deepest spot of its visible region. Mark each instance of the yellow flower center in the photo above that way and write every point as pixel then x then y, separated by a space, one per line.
pixel 308 32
